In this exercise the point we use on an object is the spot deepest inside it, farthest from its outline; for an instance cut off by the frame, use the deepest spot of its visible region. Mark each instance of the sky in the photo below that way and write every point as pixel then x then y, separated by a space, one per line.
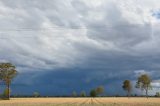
pixel 61 46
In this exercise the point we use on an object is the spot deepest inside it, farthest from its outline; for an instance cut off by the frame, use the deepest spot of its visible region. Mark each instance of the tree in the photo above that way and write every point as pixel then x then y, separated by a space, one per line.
pixel 36 94
pixel 100 90
pixel 144 83
pixel 74 94
pixel 127 86
pixel 93 93
pixel 7 73
pixel 83 94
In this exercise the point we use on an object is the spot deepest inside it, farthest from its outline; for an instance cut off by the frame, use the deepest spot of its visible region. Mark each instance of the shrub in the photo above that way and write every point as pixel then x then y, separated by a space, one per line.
pixel 74 94
pixel 36 94
pixel 93 93
pixel 5 93
pixel 83 94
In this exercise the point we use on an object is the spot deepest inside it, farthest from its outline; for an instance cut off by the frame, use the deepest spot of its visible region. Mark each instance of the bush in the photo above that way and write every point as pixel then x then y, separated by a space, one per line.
pixel 93 93
pixel 36 94
pixel 83 94
pixel 5 94
pixel 100 90
pixel 74 94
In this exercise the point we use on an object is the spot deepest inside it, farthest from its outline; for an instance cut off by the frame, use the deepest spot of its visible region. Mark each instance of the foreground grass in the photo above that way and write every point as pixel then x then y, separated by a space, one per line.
pixel 81 102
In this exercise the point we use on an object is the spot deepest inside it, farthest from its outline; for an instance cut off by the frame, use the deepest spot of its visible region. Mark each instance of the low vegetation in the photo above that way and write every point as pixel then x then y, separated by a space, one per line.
pixel 83 94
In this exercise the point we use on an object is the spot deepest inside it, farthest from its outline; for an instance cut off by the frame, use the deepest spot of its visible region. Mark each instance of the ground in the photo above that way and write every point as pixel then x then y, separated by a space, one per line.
pixel 112 101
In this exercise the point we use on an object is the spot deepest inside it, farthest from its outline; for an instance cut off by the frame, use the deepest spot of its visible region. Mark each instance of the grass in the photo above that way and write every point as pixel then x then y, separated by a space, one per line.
pixel 81 102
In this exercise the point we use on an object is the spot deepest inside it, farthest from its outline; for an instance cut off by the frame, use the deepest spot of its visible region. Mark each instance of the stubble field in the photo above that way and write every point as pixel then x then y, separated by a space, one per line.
pixel 81 102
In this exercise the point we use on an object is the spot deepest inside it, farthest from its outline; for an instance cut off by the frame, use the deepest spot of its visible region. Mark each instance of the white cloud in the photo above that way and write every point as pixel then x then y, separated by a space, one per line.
pixel 102 26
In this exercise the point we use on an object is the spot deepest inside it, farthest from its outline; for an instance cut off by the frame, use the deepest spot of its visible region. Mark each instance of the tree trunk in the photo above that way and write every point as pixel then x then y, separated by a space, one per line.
pixel 8 91
pixel 129 94
pixel 147 93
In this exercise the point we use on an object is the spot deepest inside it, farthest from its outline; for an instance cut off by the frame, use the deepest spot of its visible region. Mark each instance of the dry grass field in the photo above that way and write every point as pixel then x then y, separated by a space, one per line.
pixel 81 102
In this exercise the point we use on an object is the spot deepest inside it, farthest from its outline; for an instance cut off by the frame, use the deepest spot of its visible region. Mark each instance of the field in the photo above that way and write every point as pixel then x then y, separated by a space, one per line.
pixel 81 102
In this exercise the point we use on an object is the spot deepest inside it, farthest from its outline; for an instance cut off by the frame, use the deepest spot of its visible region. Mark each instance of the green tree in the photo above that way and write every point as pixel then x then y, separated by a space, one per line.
pixel 83 94
pixel 100 90
pixel 36 94
pixel 74 94
pixel 144 83
pixel 7 73
pixel 93 93
pixel 127 86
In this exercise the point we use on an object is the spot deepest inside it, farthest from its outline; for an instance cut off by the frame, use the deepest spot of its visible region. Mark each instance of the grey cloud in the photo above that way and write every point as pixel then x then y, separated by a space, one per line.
pixel 60 46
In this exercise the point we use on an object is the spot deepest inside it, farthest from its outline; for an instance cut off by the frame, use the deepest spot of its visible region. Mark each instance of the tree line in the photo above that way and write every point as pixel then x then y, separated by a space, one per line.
pixel 93 93
pixel 143 83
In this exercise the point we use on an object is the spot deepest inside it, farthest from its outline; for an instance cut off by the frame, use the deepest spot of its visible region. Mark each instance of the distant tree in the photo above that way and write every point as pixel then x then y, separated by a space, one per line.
pixel 135 95
pixel 93 93
pixel 144 83
pixel 117 95
pixel 127 86
pixel 83 94
pixel 36 94
pixel 157 94
pixel 100 90
pixel 7 73
pixel 15 95
pixel 74 94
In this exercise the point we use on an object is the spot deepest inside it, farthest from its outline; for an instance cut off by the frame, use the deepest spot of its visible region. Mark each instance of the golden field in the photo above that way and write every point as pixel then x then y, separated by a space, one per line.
pixel 108 101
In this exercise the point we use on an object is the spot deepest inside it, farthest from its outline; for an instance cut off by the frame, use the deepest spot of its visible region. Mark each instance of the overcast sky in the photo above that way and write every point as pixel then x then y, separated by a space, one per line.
pixel 60 46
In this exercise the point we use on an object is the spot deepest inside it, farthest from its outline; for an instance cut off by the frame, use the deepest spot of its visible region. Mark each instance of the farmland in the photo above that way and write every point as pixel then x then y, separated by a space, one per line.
pixel 112 101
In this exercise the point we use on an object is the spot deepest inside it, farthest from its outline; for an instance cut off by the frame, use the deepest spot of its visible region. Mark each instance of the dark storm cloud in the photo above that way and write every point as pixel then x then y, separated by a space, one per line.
pixel 63 82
